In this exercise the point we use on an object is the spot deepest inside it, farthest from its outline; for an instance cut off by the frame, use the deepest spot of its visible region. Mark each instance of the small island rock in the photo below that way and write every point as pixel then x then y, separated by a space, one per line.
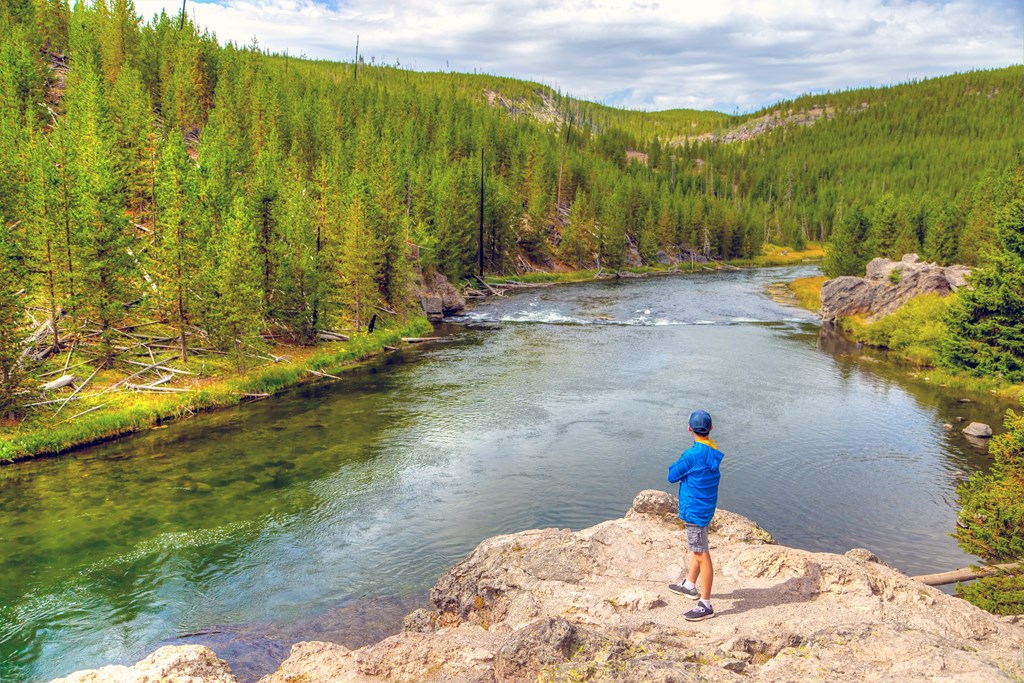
pixel 978 430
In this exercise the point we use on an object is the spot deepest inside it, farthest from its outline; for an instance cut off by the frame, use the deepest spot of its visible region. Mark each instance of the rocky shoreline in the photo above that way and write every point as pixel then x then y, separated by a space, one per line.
pixel 593 605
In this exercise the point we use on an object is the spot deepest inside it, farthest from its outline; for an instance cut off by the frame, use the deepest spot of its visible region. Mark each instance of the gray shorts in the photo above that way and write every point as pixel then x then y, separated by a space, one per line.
pixel 697 538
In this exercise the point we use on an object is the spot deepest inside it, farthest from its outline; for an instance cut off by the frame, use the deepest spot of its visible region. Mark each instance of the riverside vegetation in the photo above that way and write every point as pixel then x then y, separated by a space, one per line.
pixel 175 205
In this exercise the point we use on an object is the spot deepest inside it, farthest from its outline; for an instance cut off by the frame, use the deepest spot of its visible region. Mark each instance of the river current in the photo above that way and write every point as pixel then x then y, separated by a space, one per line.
pixel 327 513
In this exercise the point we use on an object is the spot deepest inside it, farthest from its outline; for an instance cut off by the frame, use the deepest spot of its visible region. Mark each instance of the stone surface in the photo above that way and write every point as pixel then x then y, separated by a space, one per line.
pixel 887 286
pixel 171 663
pixel 979 430
pixel 553 604
pixel 439 297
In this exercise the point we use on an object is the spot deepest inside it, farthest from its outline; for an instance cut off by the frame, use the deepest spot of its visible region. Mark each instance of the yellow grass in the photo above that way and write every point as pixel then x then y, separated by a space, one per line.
pixel 807 291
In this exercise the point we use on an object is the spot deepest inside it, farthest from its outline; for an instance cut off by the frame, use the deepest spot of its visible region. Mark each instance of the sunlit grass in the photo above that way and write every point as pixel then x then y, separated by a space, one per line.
pixel 217 383
pixel 807 291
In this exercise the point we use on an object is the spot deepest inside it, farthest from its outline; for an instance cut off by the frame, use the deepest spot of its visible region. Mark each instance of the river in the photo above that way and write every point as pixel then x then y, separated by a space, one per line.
pixel 330 511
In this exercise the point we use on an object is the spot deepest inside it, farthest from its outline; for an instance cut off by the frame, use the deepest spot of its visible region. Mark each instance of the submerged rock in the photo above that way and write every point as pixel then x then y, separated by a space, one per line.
pixel 594 605
pixel 887 286
pixel 978 430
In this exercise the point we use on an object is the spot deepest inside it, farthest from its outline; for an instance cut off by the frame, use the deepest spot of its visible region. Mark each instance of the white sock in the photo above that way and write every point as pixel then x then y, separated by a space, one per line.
pixel 706 603
pixel 689 584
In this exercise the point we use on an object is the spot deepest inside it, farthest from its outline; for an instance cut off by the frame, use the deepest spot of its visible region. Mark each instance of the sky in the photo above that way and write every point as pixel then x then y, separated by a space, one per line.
pixel 728 55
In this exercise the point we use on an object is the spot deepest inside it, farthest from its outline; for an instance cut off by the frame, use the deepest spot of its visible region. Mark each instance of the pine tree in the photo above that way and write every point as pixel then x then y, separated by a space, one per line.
pixel 107 261
pixel 177 241
pixel 578 238
pixel 985 325
pixel 13 300
pixel 236 318
pixel 360 260
pixel 849 251
pixel 991 521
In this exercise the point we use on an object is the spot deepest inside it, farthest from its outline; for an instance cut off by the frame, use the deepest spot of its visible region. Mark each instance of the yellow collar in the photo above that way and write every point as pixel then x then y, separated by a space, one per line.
pixel 706 440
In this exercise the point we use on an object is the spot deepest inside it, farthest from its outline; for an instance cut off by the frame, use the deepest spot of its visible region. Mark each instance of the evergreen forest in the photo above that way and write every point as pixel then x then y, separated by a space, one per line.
pixel 151 173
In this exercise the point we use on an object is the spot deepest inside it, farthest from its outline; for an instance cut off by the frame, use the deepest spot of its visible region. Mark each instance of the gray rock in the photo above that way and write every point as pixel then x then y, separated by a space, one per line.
pixel 886 286
pixel 862 555
pixel 432 306
pixel 543 643
pixel 979 430
pixel 420 621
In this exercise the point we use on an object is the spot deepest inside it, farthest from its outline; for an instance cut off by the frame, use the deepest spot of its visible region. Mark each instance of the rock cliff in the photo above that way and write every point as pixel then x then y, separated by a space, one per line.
pixel 887 286
pixel 594 605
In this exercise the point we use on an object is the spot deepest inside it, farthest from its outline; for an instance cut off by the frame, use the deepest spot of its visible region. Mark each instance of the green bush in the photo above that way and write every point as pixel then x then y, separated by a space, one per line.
pixel 1001 594
pixel 991 521
pixel 915 330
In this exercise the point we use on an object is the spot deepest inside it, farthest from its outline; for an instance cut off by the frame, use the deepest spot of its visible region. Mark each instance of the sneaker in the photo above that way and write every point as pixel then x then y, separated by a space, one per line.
pixel 699 613
pixel 680 589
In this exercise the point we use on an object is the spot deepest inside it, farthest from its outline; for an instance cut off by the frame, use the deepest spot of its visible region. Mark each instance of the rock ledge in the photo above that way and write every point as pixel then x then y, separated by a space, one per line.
pixel 887 286
pixel 594 605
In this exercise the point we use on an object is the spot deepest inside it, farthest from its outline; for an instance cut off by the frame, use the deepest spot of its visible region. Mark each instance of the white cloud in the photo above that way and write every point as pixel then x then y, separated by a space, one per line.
pixel 721 54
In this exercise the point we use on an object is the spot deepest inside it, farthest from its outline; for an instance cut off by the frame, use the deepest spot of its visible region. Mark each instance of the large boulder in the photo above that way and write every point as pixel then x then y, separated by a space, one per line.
pixel 439 297
pixel 887 286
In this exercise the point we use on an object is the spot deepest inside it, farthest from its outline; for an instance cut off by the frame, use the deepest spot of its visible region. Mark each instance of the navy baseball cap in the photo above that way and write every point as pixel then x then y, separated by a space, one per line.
pixel 700 422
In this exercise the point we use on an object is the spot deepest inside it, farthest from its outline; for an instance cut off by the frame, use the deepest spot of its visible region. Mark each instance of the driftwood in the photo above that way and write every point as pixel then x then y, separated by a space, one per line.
pixel 62 381
pixel 79 388
pixel 255 397
pixel 160 365
pixel 88 410
pixel 966 574
pixel 322 374
pixel 420 340
pixel 490 289
pixel 154 387
pixel 331 336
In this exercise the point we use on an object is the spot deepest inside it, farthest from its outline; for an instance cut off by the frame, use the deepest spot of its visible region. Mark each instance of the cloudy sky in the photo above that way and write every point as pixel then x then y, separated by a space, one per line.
pixel 727 55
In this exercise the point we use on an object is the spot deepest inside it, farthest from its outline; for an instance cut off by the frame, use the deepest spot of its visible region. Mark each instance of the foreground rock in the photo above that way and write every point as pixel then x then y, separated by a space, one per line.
pixel 887 286
pixel 594 605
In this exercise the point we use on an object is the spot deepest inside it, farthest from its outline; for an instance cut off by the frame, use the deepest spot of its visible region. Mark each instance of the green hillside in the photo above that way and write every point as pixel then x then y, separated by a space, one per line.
pixel 149 175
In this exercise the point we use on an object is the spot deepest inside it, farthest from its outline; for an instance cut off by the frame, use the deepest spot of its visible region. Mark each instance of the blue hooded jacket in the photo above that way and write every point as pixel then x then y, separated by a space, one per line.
pixel 697 472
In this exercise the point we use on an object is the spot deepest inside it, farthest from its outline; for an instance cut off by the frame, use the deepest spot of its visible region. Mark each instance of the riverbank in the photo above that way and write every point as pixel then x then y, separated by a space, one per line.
pixel 557 605
pixel 110 408
pixel 910 335
pixel 771 256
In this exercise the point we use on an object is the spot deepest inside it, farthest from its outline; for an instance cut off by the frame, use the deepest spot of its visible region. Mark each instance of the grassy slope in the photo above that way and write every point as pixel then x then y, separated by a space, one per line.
pixel 217 384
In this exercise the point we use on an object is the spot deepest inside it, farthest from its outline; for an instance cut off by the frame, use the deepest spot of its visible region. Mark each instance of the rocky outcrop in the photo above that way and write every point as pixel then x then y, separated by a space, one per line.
pixel 593 605
pixel 887 286
pixel 181 664
pixel 439 298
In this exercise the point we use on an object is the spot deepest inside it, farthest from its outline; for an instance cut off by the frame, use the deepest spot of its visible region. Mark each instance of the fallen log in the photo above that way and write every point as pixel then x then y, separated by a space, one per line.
pixel 89 410
pixel 419 340
pixel 966 574
pixel 322 374
pixel 490 289
pixel 159 364
pixel 62 381
pixel 332 337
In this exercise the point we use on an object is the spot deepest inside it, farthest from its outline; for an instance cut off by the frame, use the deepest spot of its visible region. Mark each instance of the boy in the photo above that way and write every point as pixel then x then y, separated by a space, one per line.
pixel 698 475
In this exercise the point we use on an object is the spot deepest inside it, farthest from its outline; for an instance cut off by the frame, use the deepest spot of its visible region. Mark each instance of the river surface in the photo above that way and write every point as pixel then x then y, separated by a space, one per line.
pixel 329 512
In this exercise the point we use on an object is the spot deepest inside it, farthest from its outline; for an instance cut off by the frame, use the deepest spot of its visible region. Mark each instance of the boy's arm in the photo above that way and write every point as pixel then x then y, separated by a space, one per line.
pixel 680 468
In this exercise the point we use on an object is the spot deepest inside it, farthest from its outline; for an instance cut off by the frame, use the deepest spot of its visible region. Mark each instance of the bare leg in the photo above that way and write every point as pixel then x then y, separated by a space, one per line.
pixel 691 576
pixel 700 563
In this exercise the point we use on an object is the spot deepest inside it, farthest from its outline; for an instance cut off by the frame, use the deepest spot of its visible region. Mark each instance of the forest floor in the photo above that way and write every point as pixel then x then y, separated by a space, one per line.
pixel 102 405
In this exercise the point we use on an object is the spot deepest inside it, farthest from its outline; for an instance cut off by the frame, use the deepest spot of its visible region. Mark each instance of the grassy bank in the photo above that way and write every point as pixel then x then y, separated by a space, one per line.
pixel 772 256
pixel 106 412
pixel 911 335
